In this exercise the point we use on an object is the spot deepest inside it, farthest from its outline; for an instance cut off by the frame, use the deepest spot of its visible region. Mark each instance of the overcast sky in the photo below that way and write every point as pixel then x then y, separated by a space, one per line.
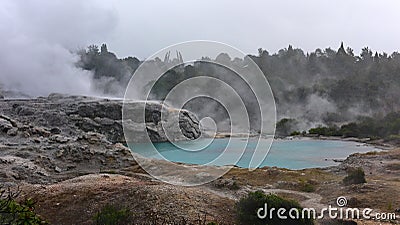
pixel 39 37
pixel 140 28
pixel 144 27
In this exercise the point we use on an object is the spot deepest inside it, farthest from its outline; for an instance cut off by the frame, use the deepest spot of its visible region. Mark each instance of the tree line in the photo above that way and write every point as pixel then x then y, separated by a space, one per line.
pixel 325 87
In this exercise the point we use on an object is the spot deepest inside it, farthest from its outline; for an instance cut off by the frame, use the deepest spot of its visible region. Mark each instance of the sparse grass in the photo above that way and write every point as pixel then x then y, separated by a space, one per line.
pixel 112 215
pixel 394 154
pixel 292 196
pixel 390 206
pixel 377 193
pixel 393 137
pixel 270 176
pixel 307 187
pixel 226 184
pixel 393 166
pixel 355 176
pixel 78 201
pixel 372 153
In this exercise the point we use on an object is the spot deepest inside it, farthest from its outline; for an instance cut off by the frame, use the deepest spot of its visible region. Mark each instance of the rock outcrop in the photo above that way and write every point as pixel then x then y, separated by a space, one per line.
pixel 45 140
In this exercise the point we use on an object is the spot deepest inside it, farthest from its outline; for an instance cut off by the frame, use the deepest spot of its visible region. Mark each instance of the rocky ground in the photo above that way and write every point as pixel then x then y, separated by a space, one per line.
pixel 46 140
pixel 66 152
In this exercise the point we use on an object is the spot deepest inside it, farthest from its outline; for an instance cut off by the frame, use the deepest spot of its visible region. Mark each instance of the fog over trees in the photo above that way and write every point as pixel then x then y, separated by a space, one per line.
pixel 325 87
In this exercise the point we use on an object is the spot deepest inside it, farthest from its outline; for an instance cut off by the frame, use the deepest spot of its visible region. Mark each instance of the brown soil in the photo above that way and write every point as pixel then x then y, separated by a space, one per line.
pixel 76 201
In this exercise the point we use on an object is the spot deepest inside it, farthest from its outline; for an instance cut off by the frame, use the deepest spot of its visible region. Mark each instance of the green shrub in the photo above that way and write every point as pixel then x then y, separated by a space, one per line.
pixel 306 187
pixel 295 133
pixel 248 206
pixel 230 184
pixel 325 131
pixel 393 137
pixel 110 215
pixel 355 176
pixel 234 186
pixel 15 213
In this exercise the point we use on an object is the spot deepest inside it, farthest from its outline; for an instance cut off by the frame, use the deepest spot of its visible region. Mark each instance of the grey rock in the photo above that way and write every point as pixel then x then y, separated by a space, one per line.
pixel 46 140
pixel 59 139
pixel 93 137
pixel 163 123
pixel 12 132
pixel 5 125
pixel 104 121
pixel 13 122
pixel 57 169
pixel 55 118
pixel 87 124
pixel 100 109
pixel 25 111
pixel 55 130
pixel 40 131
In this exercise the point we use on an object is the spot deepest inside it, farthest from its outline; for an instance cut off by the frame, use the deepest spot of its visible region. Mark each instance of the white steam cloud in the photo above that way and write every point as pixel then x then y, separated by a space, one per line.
pixel 38 40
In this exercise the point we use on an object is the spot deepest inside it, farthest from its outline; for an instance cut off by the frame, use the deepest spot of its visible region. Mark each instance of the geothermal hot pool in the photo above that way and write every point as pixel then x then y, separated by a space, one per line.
pixel 291 154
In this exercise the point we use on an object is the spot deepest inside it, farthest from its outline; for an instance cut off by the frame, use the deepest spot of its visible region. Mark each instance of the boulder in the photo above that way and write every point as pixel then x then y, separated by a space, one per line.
pixel 5 125
pixel 12 132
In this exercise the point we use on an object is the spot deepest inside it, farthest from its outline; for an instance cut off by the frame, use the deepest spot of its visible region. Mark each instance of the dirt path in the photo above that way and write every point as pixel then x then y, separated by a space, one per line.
pixel 312 200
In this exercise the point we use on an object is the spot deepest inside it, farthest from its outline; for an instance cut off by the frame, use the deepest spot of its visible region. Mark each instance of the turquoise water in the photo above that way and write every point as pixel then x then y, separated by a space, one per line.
pixel 291 154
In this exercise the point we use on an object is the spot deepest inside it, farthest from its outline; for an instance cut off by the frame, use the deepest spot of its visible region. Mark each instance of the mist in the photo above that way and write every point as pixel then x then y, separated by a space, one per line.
pixel 39 43
pixel 54 46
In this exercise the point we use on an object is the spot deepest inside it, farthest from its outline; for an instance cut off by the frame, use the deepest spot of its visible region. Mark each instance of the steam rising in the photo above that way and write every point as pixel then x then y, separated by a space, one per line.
pixel 38 39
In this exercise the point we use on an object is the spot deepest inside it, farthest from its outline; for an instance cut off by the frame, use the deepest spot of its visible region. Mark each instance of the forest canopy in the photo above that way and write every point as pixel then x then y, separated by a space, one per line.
pixel 325 87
